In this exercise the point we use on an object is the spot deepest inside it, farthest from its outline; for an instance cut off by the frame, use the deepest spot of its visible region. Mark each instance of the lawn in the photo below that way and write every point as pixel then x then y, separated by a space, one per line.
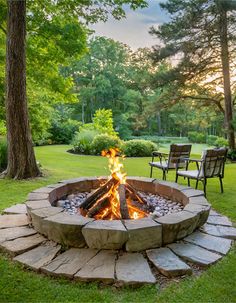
pixel 217 284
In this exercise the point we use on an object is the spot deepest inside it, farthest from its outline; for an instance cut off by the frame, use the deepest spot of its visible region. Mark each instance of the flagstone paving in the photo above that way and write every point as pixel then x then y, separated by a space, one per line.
pixel 16 209
pixel 203 247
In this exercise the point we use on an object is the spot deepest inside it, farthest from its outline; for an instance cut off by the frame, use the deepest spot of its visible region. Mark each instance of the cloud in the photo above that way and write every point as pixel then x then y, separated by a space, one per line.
pixel 134 29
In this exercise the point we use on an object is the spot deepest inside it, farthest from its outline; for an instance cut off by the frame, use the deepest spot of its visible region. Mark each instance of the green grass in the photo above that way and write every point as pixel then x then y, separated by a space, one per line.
pixel 217 284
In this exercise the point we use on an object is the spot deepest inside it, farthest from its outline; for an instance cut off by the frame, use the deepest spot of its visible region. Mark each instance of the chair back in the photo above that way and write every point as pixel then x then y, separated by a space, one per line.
pixel 177 153
pixel 213 162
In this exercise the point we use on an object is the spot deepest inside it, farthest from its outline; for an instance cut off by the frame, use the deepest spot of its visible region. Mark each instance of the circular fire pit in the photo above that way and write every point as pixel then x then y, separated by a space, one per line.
pixel 129 234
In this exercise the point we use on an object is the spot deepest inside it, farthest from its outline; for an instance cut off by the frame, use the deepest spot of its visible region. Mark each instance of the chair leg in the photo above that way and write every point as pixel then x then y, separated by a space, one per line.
pixel 176 178
pixel 164 175
pixel 196 186
pixel 204 186
pixel 221 185
pixel 188 182
pixel 151 172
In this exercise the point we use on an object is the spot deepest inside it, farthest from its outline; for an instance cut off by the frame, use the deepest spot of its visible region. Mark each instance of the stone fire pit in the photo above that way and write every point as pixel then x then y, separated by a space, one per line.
pixel 130 235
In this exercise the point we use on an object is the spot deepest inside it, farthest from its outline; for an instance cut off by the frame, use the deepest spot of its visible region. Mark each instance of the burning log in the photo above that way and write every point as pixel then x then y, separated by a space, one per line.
pixel 140 207
pixel 99 205
pixel 104 189
pixel 124 212
pixel 135 195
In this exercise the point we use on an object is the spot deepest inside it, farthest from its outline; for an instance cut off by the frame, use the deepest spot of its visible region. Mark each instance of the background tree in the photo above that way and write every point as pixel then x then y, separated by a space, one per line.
pixel 203 54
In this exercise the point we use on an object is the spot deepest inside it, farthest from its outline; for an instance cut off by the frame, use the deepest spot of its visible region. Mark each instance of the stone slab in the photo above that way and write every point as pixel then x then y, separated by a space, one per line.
pixel 168 263
pixel 177 225
pixel 36 204
pixel 38 196
pixel 209 242
pixel 201 210
pixel 219 220
pixel 37 216
pixel 39 256
pixel 20 245
pixel 219 231
pixel 214 213
pixel 143 234
pixel 104 234
pixel 15 232
pixel 99 268
pixel 66 229
pixel 16 209
pixel 133 268
pixel 190 192
pixel 70 262
pixel 194 253
pixel 201 200
pixel 7 221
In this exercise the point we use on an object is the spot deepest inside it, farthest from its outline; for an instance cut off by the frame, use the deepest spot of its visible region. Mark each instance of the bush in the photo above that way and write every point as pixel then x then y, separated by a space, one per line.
pixel 82 141
pixel 104 142
pixel 231 155
pixel 211 140
pixel 63 132
pixel 196 137
pixel 221 142
pixel 3 154
pixel 138 148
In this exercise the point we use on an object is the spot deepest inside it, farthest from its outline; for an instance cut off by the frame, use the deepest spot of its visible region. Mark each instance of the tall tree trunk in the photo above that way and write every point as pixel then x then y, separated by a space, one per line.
pixel 21 158
pixel 226 76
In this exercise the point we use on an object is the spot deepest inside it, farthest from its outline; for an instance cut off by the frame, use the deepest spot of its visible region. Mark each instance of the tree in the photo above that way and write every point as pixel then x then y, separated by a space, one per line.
pixel 21 158
pixel 201 34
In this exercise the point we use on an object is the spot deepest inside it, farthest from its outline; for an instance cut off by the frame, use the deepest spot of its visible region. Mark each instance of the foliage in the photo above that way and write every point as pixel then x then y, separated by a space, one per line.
pixel 62 132
pixel 211 140
pixel 3 154
pixel 221 142
pixel 3 130
pixel 231 155
pixel 103 121
pixel 196 137
pixel 104 142
pixel 82 141
pixel 138 148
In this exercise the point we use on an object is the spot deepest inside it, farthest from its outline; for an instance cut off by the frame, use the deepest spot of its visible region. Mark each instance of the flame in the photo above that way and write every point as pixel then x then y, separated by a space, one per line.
pixel 112 212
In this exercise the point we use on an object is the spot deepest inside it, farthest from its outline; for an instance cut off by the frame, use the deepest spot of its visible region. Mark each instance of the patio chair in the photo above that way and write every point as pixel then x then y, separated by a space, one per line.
pixel 211 165
pixel 171 161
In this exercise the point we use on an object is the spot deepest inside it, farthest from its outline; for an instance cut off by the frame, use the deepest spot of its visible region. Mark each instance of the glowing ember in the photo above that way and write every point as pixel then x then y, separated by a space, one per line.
pixel 112 198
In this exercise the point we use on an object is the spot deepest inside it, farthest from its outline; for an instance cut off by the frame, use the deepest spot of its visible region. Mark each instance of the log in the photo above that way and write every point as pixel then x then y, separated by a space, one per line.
pixel 97 194
pixel 135 194
pixel 140 207
pixel 124 212
pixel 99 205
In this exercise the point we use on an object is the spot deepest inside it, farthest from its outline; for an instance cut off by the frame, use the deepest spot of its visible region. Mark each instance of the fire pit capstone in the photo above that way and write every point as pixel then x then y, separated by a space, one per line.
pixel 131 235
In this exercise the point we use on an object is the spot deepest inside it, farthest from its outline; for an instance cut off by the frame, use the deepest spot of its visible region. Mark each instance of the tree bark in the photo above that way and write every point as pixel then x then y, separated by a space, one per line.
pixel 21 159
pixel 223 29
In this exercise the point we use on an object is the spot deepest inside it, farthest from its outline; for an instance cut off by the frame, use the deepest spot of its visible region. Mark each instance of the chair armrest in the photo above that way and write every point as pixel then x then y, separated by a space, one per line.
pixel 159 154
pixel 192 160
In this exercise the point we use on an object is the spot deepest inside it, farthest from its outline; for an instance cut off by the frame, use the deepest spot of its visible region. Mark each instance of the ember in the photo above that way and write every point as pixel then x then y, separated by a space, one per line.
pixel 115 199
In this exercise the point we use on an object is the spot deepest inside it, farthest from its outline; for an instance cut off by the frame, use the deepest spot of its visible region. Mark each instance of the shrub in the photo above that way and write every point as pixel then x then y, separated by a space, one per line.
pixel 220 142
pixel 196 137
pixel 231 155
pixel 82 141
pixel 63 132
pixel 103 142
pixel 103 121
pixel 3 154
pixel 138 148
pixel 211 140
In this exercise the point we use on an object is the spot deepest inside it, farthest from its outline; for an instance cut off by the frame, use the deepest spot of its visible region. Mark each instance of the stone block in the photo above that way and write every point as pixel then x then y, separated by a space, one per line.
pixel 168 263
pixel 38 196
pixel 79 184
pixel 16 209
pixel 66 229
pixel 37 204
pixel 39 256
pixel 219 220
pixel 201 210
pixel 133 269
pixel 142 183
pixel 70 262
pixel 200 200
pixel 177 225
pixel 15 232
pixel 143 234
pixel 227 232
pixel 104 234
pixel 100 268
pixel 37 216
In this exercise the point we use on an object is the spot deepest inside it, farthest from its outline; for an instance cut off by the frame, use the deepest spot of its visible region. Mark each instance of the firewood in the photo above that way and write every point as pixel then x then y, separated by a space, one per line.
pixel 91 199
pixel 98 206
pixel 135 195
pixel 124 212
pixel 140 207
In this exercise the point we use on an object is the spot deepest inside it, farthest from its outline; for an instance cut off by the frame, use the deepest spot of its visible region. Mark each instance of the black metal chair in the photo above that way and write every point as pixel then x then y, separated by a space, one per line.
pixel 211 165
pixel 171 161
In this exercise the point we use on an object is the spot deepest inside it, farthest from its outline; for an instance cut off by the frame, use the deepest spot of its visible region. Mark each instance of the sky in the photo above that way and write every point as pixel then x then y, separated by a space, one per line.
pixel 133 30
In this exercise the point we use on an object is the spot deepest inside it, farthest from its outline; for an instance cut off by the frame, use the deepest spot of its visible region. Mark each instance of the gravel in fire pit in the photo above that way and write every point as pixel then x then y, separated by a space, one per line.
pixel 158 206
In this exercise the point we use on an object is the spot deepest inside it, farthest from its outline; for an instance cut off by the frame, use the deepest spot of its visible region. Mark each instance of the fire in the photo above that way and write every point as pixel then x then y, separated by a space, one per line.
pixel 113 210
